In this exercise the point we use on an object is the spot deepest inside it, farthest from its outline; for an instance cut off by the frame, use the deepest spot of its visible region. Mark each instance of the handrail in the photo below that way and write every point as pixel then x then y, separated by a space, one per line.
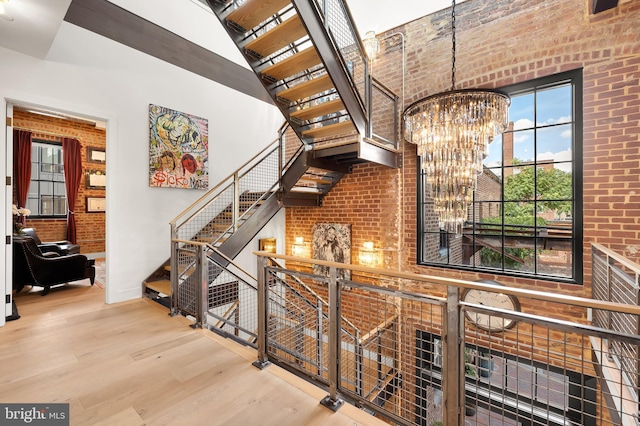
pixel 635 267
pixel 463 284
pixel 382 326
pixel 231 175
pixel 317 296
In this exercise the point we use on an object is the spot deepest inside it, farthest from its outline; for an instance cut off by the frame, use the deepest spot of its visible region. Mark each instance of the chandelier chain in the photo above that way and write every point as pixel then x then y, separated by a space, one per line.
pixel 453 45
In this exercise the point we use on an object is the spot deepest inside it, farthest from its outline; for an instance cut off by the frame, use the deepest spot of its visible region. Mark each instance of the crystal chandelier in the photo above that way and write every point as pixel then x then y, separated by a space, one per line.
pixel 453 131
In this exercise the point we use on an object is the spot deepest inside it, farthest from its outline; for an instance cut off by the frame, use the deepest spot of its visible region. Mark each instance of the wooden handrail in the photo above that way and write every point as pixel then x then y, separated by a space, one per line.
pixel 230 176
pixel 463 284
pixel 382 326
pixel 635 267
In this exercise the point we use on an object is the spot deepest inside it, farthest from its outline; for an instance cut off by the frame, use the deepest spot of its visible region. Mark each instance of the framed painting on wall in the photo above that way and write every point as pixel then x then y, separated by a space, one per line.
pixel 96 155
pixel 96 204
pixel 332 242
pixel 178 149
pixel 96 179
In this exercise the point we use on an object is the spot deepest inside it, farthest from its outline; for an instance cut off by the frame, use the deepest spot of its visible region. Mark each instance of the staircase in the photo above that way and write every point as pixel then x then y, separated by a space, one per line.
pixel 309 57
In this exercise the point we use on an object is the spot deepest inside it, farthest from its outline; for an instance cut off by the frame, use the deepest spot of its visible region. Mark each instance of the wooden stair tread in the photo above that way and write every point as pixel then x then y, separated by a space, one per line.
pixel 306 89
pixel 329 130
pixel 314 181
pixel 274 40
pixel 292 65
pixel 252 12
pixel 318 110
pixel 161 286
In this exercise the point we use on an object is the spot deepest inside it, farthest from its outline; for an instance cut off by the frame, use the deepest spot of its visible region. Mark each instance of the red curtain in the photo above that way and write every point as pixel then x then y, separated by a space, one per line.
pixel 72 177
pixel 22 166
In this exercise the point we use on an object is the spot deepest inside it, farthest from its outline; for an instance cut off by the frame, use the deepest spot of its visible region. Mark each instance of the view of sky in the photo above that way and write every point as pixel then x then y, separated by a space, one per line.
pixel 549 108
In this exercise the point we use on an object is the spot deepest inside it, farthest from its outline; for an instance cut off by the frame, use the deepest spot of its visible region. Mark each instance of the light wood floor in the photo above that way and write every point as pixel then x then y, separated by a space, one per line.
pixel 132 364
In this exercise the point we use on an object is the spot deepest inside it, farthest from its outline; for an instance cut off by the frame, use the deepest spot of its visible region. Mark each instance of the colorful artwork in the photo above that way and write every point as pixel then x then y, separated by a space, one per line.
pixel 332 242
pixel 178 149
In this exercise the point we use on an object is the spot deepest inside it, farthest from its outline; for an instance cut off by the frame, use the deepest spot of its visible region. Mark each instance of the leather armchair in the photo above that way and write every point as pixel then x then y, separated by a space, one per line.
pixel 31 267
pixel 63 247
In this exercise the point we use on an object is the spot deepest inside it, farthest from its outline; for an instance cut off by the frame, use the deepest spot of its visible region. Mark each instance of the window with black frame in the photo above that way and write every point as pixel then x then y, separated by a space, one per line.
pixel 47 193
pixel 526 214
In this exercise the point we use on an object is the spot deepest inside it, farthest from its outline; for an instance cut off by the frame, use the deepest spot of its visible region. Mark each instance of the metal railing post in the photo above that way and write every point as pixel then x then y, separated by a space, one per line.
pixel 202 292
pixel 453 362
pixel 262 360
pixel 332 401
pixel 173 271
pixel 319 339
pixel 236 201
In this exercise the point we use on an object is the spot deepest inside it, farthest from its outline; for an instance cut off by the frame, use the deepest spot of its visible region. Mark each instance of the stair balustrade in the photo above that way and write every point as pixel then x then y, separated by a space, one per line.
pixel 423 360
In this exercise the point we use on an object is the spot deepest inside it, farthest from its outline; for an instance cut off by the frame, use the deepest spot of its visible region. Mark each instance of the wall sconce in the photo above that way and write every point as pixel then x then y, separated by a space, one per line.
pixel 368 254
pixel 297 249
pixel 267 244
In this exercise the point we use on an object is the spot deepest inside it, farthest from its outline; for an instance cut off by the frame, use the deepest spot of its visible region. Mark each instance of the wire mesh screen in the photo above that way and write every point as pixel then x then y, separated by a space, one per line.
pixel 231 305
pixel 540 372
pixel 188 278
pixel 257 183
pixel 617 281
pixel 297 322
pixel 384 115
pixel 384 369
pixel 212 221
pixel 340 26
pixel 600 287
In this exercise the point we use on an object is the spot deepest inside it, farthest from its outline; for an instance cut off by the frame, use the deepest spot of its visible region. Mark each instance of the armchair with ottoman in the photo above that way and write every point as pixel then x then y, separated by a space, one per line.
pixel 63 247
pixel 32 267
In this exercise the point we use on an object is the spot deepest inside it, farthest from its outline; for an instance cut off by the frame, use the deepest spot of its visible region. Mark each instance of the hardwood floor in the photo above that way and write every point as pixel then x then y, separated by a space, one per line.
pixel 132 364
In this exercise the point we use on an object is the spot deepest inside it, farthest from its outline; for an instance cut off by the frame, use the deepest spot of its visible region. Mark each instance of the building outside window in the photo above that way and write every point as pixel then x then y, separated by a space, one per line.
pixel 526 215
pixel 47 193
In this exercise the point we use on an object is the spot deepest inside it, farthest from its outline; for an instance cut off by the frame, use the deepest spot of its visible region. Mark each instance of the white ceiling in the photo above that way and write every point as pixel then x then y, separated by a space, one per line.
pixel 34 26
pixel 36 22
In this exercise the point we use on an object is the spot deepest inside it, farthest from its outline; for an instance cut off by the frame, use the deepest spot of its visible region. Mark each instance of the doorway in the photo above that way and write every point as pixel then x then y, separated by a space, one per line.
pixel 46 200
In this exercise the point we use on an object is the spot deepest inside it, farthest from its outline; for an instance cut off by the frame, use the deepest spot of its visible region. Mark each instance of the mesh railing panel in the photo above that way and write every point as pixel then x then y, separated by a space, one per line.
pixel 188 278
pixel 213 221
pixel 387 375
pixel 231 305
pixel 257 183
pixel 344 35
pixel 617 282
pixel 296 327
pixel 600 287
pixel 384 117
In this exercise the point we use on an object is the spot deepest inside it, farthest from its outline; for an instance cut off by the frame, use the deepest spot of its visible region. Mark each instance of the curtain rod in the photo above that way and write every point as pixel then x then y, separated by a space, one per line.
pixel 44 132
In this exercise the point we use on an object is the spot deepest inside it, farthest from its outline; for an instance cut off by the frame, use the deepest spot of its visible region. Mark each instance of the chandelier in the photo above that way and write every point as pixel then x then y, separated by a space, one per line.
pixel 453 131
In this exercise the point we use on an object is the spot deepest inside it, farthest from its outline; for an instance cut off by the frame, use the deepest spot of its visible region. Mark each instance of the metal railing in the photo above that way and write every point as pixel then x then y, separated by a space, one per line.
pixel 340 26
pixel 616 279
pixel 428 357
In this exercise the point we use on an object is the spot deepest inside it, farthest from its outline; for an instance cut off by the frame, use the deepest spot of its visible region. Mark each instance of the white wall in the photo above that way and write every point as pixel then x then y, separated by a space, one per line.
pixel 86 74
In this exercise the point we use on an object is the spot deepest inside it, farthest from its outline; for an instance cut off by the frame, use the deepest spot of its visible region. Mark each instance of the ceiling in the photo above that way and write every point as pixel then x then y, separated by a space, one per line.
pixel 36 22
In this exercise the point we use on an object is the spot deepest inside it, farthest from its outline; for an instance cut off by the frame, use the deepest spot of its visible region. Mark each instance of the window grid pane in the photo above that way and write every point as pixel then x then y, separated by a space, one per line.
pixel 521 220
pixel 47 193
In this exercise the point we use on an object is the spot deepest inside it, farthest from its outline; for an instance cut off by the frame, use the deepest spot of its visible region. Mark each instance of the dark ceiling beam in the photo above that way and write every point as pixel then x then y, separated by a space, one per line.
pixel 602 5
pixel 115 23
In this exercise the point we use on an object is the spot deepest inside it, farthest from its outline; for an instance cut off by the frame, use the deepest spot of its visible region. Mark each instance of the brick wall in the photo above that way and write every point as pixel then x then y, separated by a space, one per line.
pixel 502 43
pixel 90 226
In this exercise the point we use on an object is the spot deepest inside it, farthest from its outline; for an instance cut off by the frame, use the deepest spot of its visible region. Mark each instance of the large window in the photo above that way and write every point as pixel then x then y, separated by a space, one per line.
pixel 47 196
pixel 527 208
